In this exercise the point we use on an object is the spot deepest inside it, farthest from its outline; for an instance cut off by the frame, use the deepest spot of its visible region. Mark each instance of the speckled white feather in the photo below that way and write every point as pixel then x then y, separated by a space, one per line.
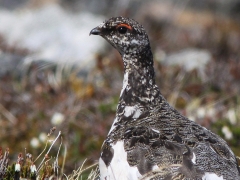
pixel 157 131
pixel 134 41
pixel 137 113
pixel 129 110
pixel 194 159
pixel 125 82
pixel 132 110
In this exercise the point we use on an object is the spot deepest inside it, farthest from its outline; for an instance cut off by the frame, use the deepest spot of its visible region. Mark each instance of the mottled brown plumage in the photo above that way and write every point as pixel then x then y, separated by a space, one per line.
pixel 149 139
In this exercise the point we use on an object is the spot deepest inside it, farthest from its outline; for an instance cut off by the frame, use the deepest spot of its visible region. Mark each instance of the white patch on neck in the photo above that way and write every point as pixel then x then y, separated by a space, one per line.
pixel 137 113
pixel 125 82
pixel 132 110
pixel 194 158
pixel 211 176
pixel 119 168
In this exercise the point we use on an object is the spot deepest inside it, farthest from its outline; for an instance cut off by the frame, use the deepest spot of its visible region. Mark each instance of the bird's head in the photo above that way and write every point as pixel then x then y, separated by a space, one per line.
pixel 126 35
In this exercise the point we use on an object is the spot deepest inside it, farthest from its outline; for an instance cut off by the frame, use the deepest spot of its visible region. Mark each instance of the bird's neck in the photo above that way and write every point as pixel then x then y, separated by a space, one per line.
pixel 139 80
pixel 140 95
pixel 139 66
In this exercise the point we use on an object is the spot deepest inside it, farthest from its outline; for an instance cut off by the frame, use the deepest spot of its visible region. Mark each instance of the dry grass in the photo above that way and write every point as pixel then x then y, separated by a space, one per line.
pixel 44 166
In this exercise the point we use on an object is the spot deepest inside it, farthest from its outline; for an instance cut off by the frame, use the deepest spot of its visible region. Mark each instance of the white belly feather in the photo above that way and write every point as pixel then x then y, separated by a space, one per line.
pixel 119 168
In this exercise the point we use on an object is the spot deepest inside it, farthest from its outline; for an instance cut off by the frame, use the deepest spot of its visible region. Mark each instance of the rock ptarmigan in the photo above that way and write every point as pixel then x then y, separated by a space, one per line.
pixel 149 139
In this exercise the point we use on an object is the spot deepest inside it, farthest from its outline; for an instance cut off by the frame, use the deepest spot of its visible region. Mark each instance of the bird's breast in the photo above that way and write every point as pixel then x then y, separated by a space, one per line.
pixel 118 168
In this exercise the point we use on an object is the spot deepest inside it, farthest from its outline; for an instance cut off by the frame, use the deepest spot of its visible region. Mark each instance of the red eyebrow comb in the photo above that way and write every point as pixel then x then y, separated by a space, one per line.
pixel 125 25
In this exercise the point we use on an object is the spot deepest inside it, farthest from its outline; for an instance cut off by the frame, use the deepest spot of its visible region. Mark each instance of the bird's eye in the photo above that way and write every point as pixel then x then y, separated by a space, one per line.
pixel 122 29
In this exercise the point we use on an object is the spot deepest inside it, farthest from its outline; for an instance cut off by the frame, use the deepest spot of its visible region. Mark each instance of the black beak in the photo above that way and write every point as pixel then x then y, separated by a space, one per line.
pixel 95 31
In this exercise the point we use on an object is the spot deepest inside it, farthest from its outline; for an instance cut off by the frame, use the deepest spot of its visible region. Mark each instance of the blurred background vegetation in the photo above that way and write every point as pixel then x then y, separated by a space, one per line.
pixel 52 74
